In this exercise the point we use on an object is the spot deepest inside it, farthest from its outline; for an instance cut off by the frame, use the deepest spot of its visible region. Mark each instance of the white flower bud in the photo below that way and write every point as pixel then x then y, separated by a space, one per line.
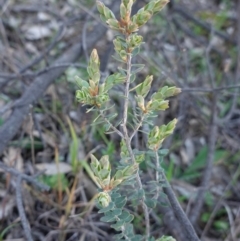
pixel 104 199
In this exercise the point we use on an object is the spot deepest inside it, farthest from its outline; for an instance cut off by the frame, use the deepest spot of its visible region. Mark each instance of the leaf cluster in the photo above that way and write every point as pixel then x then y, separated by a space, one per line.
pixel 102 173
pixel 158 134
pixel 91 92
pixel 121 218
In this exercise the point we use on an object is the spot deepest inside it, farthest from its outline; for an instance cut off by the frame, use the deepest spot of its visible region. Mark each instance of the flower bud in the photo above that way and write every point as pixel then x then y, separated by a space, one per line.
pixel 140 102
pixel 104 162
pixel 113 24
pixel 104 199
pixel 140 158
pixel 171 125
pixel 124 150
pixel 158 105
pixel 93 67
pixel 132 27
pixel 141 17
pixel 117 44
pixel 145 86
pixel 105 12
pixel 95 165
pixel 159 5
pixel 123 11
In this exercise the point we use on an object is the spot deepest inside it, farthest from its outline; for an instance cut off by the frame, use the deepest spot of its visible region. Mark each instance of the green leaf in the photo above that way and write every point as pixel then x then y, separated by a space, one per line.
pixel 128 229
pixel 199 162
pixel 117 226
pixel 107 219
pixel 105 12
pixel 159 5
pixel 53 181
pixel 114 79
pixel 81 83
pixel 150 6
pixel 221 225
pixel 115 195
pixel 108 208
pixel 113 23
pixel 116 57
pixel 124 215
pixel 151 203
pixel 136 51
pixel 138 69
pixel 163 152
pixel 120 202
pixel 141 17
pixel 137 194
pixel 143 88
pixel 123 11
pixel 118 236
pixel 129 218
pixel 118 175
pixel 132 78
pixel 112 214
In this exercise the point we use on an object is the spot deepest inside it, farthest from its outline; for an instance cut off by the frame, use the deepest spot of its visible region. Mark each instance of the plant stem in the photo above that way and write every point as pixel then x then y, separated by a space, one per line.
pixel 111 125
pixel 137 127
pixel 126 95
pixel 178 211
pixel 128 140
pixel 21 211
pixel 157 174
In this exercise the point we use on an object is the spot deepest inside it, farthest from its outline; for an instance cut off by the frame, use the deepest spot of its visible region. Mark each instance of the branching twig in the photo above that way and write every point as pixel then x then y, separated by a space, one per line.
pixel 208 169
pixel 21 210
pixel 137 127
pixel 220 200
pixel 237 74
pixel 25 177
pixel 110 124
pixel 128 140
pixel 178 211
pixel 35 74
pixel 157 163
pixel 210 89
pixel 211 146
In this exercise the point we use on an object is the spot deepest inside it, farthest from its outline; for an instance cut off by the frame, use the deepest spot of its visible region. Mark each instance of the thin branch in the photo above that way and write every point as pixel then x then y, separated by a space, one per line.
pixel 178 211
pixel 110 124
pixel 126 95
pixel 210 90
pixel 237 74
pixel 13 76
pixel 137 127
pixel 157 164
pixel 25 177
pixel 219 201
pixel 211 146
pixel 21 210
pixel 128 140
pixel 208 169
